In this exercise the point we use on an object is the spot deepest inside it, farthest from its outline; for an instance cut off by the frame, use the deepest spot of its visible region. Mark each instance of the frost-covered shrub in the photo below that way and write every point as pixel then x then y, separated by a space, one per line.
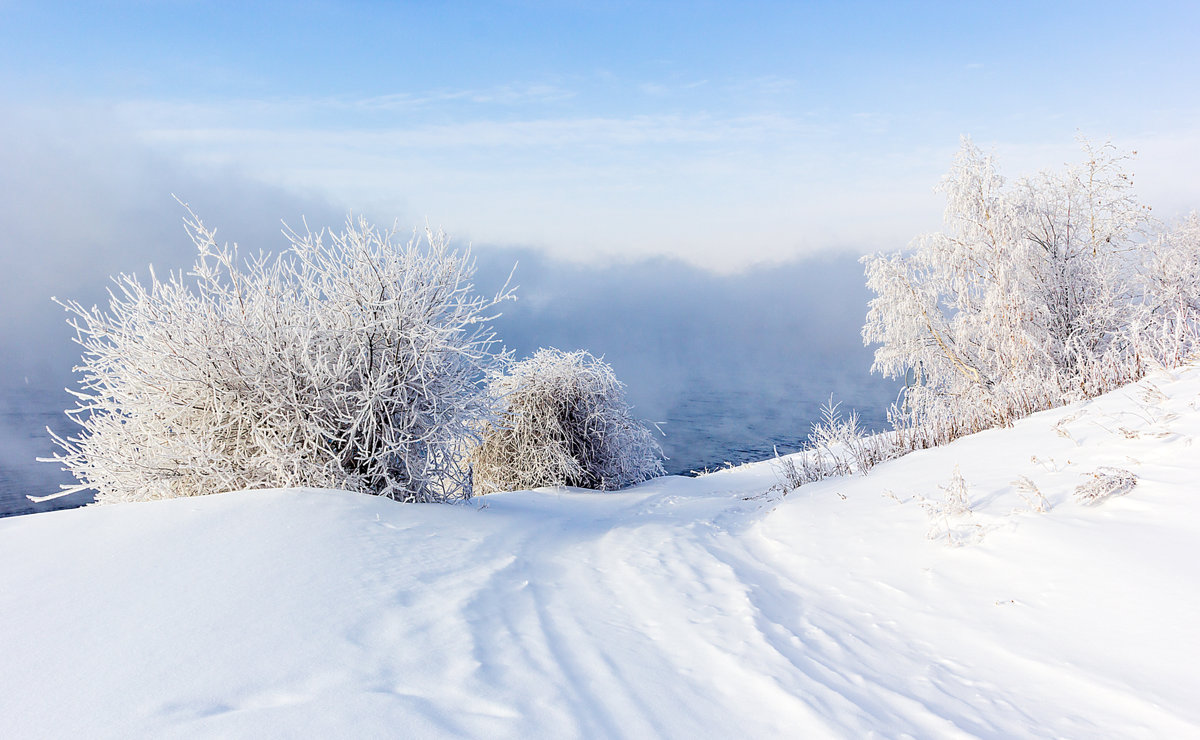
pixel 843 446
pixel 1171 286
pixel 1105 482
pixel 564 422
pixel 1029 298
pixel 352 360
pixel 955 502
pixel 837 445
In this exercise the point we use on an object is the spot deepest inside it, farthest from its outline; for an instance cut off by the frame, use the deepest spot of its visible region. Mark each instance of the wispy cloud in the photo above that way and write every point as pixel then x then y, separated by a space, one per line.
pixel 653 88
pixel 504 95
pixel 769 85
pixel 629 131
pixel 582 183
pixel 290 111
pixel 594 186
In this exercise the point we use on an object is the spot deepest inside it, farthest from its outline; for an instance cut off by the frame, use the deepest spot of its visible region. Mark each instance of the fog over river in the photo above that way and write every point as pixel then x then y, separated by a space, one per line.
pixel 731 366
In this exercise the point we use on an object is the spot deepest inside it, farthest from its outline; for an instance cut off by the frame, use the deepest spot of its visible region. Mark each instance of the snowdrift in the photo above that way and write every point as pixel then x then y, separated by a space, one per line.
pixel 707 607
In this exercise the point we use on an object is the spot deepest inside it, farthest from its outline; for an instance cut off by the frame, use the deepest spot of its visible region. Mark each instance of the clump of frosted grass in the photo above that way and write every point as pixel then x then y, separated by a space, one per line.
pixel 1105 482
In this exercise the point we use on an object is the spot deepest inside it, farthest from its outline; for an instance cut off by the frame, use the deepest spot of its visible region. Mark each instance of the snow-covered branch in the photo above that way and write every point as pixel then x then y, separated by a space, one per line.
pixel 353 360
pixel 1034 295
pixel 564 422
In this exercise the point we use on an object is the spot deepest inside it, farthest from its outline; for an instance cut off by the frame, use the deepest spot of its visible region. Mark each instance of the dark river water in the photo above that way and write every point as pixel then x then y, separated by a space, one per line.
pixel 23 438
pixel 708 423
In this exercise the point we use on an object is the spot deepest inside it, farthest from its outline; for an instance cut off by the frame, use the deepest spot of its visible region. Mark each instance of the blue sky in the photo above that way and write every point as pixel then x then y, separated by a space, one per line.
pixel 721 133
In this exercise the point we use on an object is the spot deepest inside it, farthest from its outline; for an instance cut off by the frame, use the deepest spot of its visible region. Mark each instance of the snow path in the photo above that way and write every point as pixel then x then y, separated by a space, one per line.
pixel 705 607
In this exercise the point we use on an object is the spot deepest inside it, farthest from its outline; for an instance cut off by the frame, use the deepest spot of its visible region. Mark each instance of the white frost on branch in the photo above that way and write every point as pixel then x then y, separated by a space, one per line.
pixel 1033 295
pixel 565 422
pixel 352 360
pixel 1172 289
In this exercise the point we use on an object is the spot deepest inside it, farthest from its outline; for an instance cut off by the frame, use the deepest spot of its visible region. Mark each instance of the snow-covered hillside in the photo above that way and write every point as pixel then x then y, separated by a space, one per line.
pixel 709 607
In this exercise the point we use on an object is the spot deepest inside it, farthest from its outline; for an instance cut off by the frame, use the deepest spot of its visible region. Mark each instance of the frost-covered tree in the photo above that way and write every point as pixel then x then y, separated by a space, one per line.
pixel 1025 299
pixel 564 422
pixel 352 360
pixel 1171 286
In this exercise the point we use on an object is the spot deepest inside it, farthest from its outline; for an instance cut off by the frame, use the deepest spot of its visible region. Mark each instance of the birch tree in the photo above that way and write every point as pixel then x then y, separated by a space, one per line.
pixel 1025 299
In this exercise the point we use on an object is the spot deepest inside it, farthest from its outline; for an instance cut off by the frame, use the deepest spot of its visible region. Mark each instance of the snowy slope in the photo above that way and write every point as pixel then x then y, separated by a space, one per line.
pixel 707 607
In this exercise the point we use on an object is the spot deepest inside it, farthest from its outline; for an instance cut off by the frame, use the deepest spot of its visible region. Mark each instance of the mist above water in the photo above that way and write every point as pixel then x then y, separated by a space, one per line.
pixel 733 364
pixel 730 365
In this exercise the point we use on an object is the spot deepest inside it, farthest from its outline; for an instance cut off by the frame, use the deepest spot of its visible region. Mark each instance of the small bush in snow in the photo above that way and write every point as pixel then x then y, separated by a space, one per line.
pixel 837 445
pixel 836 439
pixel 846 445
pixel 564 422
pixel 354 361
pixel 955 503
pixel 1105 482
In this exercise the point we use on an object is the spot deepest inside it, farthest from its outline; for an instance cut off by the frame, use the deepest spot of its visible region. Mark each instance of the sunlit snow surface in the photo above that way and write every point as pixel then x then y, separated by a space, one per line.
pixel 708 607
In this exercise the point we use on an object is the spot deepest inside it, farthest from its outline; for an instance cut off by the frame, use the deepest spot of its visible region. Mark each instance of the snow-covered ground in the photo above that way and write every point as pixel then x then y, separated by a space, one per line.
pixel 708 607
